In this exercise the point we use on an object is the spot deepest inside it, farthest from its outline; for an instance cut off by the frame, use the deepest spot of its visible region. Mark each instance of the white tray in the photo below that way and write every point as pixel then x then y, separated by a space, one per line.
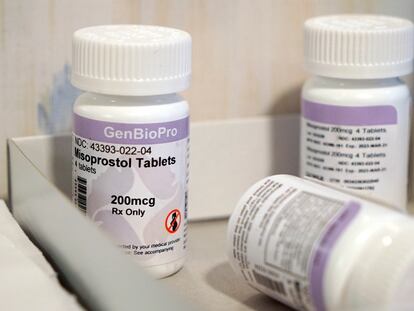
pixel 207 279
pixel 226 158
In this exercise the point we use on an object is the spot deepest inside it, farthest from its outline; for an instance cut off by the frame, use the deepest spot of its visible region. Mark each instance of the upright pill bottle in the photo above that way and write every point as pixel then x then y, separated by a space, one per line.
pixel 130 138
pixel 318 249
pixel 355 109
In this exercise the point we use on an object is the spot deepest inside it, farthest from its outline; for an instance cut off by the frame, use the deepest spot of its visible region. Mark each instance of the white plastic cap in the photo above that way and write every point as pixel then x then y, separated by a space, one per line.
pixel 133 60
pixel 359 46
pixel 385 281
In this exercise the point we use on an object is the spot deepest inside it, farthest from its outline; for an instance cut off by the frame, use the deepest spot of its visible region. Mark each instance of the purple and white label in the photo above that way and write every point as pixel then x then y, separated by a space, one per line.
pixel 357 147
pixel 348 115
pixel 323 250
pixel 131 134
pixel 131 180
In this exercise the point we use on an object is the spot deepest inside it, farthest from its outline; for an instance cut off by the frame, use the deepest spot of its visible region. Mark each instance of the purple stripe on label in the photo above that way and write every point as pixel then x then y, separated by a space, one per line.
pixel 348 115
pixel 131 133
pixel 323 251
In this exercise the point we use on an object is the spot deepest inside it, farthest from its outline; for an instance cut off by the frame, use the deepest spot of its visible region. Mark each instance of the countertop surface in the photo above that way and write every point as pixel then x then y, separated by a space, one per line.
pixel 207 280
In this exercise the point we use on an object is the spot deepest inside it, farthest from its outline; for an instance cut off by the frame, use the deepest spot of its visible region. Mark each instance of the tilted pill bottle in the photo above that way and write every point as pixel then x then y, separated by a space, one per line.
pixel 355 109
pixel 130 138
pixel 318 249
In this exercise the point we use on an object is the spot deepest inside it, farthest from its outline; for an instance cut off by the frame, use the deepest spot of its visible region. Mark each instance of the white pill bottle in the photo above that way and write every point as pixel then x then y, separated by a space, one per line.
pixel 318 249
pixel 355 110
pixel 131 138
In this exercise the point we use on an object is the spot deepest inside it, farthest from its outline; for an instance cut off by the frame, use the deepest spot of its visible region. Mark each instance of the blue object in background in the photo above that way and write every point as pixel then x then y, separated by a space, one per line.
pixel 54 111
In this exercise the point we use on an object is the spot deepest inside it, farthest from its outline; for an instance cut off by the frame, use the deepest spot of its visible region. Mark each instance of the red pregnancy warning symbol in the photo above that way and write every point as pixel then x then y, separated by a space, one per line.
pixel 173 221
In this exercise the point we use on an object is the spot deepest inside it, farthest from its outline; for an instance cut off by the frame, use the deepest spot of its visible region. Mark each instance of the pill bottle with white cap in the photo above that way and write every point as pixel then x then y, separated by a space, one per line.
pixel 355 109
pixel 131 138
pixel 315 248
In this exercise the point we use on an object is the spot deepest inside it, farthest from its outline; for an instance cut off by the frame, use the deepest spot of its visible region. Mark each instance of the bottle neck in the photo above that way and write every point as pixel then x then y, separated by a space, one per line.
pixel 123 100
pixel 357 83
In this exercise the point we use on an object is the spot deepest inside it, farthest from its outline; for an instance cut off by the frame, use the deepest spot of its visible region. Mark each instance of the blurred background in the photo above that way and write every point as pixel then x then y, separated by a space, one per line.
pixel 247 55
